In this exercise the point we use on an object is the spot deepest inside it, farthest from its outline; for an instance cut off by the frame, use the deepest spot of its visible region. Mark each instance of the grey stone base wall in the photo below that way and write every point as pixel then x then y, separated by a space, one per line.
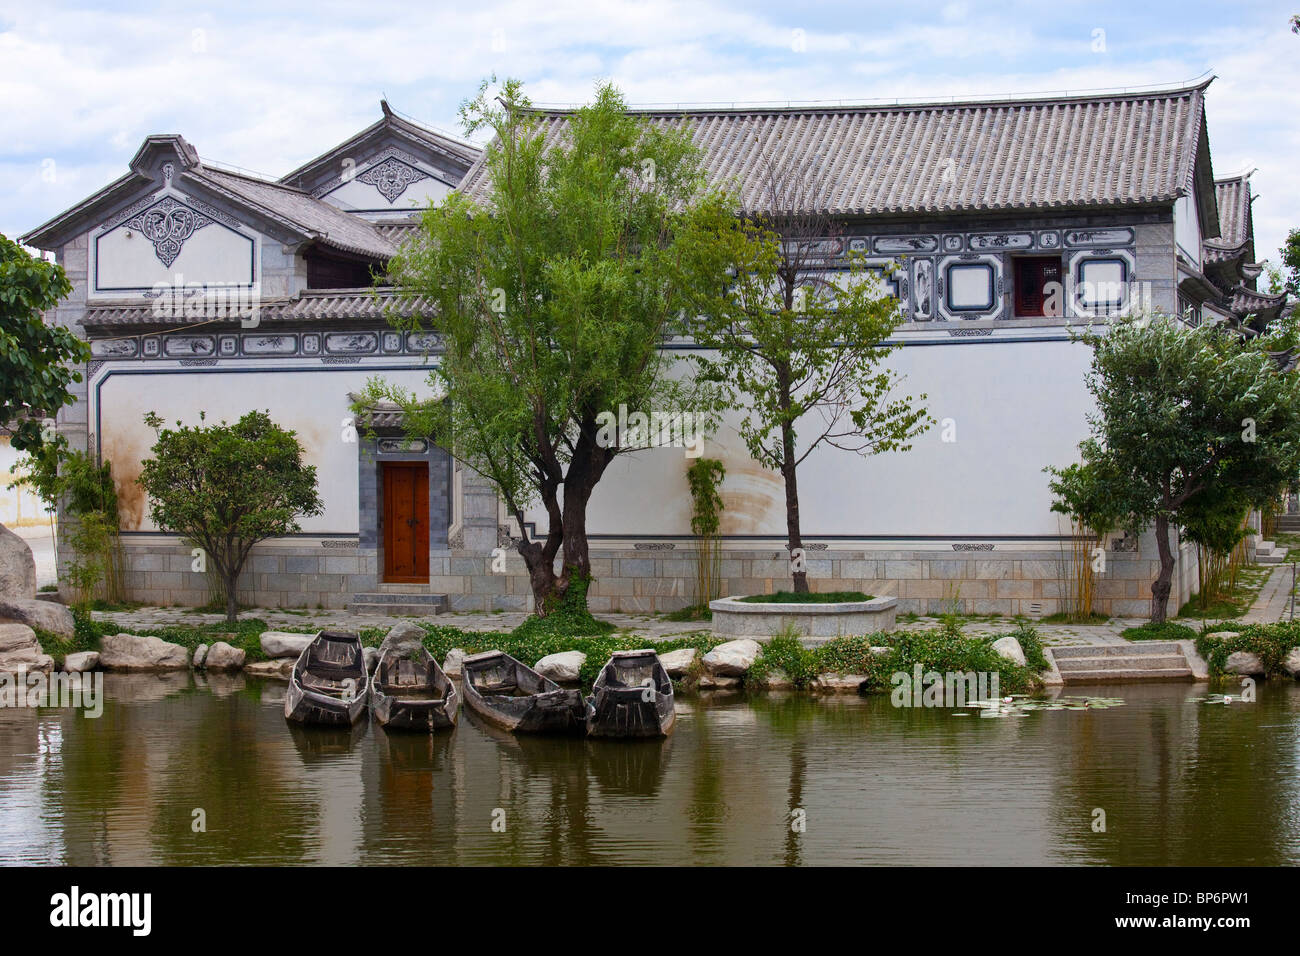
pixel 307 573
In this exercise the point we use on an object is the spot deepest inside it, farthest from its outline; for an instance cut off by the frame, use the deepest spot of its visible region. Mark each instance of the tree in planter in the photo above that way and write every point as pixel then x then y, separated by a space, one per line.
pixel 226 487
pixel 801 341
pixel 35 359
pixel 1184 412
pixel 553 300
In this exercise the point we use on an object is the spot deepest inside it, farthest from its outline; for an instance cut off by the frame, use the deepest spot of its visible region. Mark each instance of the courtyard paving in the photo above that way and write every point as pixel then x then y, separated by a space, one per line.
pixel 652 628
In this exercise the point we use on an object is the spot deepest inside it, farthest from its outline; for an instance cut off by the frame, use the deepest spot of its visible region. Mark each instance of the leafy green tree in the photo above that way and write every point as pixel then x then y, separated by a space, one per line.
pixel 553 299
pixel 226 487
pixel 796 343
pixel 35 358
pixel 1183 413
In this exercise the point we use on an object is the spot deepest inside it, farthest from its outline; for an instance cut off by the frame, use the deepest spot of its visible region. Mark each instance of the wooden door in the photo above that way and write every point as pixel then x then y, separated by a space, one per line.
pixel 1038 286
pixel 406 522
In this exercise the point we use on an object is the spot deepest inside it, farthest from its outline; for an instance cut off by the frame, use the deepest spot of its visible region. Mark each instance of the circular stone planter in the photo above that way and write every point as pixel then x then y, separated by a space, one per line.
pixel 733 617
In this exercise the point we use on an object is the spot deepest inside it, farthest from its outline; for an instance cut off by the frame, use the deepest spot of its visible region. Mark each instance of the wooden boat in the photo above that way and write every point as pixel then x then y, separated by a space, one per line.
pixel 632 697
pixel 410 691
pixel 514 697
pixel 329 684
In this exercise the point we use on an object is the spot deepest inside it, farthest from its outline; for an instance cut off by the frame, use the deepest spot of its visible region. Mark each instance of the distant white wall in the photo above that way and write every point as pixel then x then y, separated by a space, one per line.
pixel 1187 229
pixel 1015 407
pixel 313 403
pixel 19 508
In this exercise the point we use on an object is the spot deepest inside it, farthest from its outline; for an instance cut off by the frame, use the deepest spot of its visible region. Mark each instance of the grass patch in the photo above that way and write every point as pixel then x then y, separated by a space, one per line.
pixel 813 597
pixel 942 649
pixel 1060 617
pixel 1272 642
pixel 1165 631
pixel 785 653
pixel 696 612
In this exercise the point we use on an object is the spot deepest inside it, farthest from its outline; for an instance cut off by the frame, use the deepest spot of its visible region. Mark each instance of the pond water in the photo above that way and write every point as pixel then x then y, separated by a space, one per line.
pixel 1181 780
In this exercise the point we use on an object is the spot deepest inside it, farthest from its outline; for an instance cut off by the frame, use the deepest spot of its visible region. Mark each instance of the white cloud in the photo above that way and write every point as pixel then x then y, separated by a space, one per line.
pixel 267 86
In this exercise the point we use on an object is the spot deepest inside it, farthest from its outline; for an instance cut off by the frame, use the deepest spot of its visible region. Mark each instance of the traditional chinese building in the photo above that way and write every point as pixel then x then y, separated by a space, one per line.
pixel 997 225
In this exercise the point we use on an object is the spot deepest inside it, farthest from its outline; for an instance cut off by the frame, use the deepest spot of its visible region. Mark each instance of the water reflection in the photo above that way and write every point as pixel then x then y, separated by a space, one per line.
pixel 1181 782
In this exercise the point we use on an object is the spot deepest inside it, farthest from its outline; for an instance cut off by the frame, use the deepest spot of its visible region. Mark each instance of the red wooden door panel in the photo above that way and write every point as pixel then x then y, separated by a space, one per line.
pixel 406 522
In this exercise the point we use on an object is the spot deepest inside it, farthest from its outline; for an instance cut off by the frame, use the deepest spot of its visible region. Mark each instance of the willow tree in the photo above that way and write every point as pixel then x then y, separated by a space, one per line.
pixel 1185 416
pixel 553 289
pixel 796 338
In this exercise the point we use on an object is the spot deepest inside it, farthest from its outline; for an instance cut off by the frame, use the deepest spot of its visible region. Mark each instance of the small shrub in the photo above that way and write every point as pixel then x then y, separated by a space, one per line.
pixel 1164 631
pixel 785 652
pixel 1272 642
pixel 812 597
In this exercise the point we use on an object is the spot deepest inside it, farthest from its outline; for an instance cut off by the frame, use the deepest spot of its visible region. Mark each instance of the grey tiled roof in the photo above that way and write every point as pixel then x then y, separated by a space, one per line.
pixel 311 306
pixel 397 232
pixel 320 220
pixel 1113 150
pixel 1235 223
pixel 1245 300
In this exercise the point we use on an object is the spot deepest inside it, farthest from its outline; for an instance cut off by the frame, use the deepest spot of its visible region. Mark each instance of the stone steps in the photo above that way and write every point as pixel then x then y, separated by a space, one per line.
pixel 1289 523
pixel 1266 552
pixel 1163 660
pixel 394 603
pixel 1130 674
pixel 1145 649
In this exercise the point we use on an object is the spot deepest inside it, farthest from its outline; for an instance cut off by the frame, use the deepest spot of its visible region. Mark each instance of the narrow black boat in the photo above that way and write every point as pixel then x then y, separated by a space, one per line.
pixel 329 684
pixel 632 697
pixel 411 692
pixel 514 697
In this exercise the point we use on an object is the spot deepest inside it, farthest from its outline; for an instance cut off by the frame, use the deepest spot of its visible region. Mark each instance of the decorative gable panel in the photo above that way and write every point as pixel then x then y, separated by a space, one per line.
pixel 165 235
pixel 391 181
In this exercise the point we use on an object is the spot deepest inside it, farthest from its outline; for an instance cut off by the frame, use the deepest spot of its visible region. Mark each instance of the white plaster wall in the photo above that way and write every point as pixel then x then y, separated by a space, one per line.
pixel 19 507
pixel 1015 407
pixel 313 403
pixel 1187 229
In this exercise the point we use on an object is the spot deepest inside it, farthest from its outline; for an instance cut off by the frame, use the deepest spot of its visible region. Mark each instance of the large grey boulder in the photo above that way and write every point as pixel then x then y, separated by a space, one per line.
pixel 452 665
pixel 20 651
pixel 1292 662
pixel 130 652
pixel 371 656
pixel 81 662
pixel 403 636
pixel 835 683
pixel 678 663
pixel 278 669
pixel 777 679
pixel 732 659
pixel 42 615
pixel 1244 662
pixel 563 668
pixel 224 657
pixel 17 567
pixel 718 682
pixel 1009 648
pixel 283 644
pixel 200 655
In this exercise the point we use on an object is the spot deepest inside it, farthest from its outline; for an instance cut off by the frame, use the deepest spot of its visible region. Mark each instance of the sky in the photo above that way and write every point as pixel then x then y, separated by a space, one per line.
pixel 267 86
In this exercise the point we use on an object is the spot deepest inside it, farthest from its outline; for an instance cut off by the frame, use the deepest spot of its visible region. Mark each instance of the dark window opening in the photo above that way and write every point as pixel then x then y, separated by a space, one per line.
pixel 1039 287
pixel 329 272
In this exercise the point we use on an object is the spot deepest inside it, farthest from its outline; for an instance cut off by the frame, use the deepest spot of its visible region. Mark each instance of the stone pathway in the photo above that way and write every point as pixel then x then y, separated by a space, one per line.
pixel 1274 601
pixel 652 628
